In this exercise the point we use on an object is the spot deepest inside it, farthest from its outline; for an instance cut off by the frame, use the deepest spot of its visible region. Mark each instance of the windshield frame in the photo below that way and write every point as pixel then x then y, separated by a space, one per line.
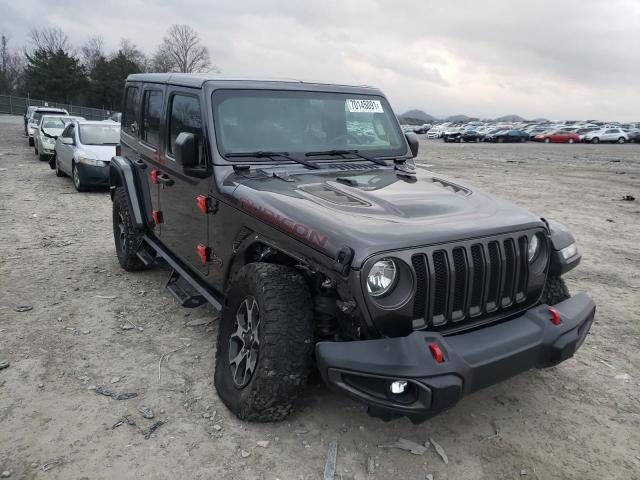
pixel 214 97
pixel 90 125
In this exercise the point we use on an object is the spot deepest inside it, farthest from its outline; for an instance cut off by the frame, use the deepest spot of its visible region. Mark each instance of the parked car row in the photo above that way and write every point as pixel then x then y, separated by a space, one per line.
pixel 547 132
pixel 74 146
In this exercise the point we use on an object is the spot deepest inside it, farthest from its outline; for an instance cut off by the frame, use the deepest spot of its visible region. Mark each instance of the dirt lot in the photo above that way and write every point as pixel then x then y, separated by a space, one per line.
pixel 580 420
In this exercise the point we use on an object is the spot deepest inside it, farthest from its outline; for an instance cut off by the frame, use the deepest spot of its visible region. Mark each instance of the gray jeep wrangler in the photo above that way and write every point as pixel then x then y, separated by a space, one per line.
pixel 297 210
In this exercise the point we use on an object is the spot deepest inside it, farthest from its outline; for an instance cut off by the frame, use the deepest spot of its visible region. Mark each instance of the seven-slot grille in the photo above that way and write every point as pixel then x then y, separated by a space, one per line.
pixel 460 282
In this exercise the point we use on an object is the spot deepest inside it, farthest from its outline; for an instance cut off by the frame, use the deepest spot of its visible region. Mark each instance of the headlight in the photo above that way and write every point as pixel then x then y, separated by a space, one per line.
pixel 382 277
pixel 568 252
pixel 534 248
pixel 91 161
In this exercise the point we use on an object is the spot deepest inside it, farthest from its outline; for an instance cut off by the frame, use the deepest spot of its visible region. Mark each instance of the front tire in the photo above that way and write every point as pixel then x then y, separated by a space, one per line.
pixel 621 140
pixel 127 237
pixel 77 180
pixel 265 342
pixel 31 141
pixel 571 140
pixel 595 140
pixel 555 291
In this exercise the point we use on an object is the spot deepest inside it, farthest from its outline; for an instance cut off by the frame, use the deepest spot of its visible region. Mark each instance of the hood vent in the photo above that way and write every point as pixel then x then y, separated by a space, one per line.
pixel 333 195
pixel 351 166
pixel 452 186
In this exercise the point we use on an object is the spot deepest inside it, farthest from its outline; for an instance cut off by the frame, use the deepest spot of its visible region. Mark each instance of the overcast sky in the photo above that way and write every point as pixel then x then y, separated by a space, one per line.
pixel 564 60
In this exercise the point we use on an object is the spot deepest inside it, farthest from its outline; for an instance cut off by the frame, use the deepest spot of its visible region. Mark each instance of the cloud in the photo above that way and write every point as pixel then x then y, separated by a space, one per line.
pixel 572 59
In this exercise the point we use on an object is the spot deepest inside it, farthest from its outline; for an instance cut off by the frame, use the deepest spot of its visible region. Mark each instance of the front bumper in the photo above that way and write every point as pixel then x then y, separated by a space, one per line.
pixel 93 175
pixel 365 369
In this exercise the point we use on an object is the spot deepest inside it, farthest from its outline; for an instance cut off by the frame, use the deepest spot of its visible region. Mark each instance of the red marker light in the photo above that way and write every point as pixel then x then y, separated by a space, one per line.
pixel 555 316
pixel 436 352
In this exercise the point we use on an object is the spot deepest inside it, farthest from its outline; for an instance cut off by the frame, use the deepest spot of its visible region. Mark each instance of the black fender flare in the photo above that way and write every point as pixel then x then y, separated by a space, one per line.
pixel 123 174
pixel 560 238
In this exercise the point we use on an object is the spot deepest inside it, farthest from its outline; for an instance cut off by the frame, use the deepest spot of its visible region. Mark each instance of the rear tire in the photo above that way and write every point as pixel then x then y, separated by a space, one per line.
pixel 547 140
pixel 555 291
pixel 59 173
pixel 260 381
pixel 31 141
pixel 621 140
pixel 127 237
pixel 595 140
pixel 571 140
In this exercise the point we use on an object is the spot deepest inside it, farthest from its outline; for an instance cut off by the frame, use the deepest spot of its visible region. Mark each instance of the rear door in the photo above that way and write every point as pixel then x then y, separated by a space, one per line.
pixel 185 225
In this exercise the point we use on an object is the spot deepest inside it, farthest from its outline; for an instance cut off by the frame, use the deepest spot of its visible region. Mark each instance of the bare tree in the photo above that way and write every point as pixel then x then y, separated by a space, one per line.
pixel 50 39
pixel 182 51
pixel 92 51
pixel 134 54
pixel 11 68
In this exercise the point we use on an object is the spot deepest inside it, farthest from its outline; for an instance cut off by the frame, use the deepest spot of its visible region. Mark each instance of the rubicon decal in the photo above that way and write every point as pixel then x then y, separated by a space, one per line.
pixel 287 224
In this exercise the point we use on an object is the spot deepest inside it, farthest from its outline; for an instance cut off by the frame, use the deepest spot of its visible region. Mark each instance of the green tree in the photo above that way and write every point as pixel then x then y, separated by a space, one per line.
pixel 107 80
pixel 54 75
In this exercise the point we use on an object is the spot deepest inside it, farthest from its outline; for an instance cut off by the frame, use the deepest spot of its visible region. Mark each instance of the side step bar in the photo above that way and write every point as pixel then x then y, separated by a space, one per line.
pixel 184 294
pixel 197 287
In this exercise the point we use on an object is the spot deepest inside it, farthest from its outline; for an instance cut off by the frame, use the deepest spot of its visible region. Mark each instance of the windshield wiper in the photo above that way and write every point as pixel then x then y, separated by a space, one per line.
pixel 342 153
pixel 267 154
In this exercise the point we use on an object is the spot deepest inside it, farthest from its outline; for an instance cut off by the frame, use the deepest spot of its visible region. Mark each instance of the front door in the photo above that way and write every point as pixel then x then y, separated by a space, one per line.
pixel 185 226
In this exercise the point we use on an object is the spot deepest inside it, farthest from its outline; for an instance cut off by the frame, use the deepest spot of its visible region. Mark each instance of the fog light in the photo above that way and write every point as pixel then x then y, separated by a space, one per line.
pixel 399 386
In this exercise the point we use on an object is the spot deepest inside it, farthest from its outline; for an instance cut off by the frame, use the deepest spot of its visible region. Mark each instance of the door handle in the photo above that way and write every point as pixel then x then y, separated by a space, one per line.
pixel 139 163
pixel 164 179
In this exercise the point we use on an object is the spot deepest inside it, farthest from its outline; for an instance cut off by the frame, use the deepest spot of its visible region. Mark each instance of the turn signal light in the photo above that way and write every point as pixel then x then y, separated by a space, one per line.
pixel 436 352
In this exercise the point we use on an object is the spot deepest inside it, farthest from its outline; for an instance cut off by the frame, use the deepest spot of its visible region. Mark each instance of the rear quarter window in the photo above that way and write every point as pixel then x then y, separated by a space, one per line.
pixel 131 109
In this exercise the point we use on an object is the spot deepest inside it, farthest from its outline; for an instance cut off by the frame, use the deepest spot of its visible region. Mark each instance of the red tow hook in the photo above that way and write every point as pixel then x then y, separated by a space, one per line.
pixel 154 176
pixel 436 352
pixel 555 316
pixel 204 253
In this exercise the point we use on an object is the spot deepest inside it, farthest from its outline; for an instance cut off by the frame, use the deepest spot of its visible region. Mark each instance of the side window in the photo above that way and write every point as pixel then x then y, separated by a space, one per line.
pixel 185 116
pixel 65 132
pixel 151 111
pixel 130 117
pixel 71 132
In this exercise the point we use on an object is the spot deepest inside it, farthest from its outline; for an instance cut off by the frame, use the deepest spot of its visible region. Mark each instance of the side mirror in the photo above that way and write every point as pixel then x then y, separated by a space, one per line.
pixel 414 143
pixel 186 150
pixel 66 140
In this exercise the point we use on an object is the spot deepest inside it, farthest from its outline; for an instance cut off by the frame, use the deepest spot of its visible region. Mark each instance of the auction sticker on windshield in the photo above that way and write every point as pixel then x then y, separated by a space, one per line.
pixel 364 106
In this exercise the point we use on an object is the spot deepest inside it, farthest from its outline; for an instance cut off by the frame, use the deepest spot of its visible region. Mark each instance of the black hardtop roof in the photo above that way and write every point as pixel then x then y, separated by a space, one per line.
pixel 198 80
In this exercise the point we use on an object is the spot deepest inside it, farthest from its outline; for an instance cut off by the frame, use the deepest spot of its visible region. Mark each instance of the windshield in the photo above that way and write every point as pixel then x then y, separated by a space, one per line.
pixel 52 123
pixel 302 122
pixel 99 134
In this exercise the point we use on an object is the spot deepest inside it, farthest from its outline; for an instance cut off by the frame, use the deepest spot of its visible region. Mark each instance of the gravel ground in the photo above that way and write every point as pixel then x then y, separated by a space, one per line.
pixel 93 324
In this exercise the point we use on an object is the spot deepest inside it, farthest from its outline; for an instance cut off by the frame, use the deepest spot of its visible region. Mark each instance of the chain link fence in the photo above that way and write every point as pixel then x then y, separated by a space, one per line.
pixel 13 105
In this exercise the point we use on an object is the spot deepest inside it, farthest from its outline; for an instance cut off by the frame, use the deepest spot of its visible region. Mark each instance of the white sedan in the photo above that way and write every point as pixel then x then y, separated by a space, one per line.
pixel 46 132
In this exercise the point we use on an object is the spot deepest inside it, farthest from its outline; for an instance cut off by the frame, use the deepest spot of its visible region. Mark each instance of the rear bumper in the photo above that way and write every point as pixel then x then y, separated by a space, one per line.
pixel 473 360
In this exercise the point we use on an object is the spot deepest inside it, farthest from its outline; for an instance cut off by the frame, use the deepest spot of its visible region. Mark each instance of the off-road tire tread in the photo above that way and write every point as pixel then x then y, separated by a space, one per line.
pixel 129 261
pixel 286 343
pixel 555 291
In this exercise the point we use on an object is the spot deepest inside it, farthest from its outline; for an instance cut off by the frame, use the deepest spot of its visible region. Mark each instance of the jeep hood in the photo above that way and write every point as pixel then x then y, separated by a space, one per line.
pixel 375 210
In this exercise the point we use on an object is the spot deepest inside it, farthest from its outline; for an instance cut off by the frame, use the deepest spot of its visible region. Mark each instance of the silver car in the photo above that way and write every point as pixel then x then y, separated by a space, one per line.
pixel 46 131
pixel 616 135
pixel 36 114
pixel 84 150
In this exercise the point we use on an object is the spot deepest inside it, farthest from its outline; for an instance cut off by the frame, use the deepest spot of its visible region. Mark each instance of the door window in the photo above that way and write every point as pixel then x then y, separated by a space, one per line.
pixel 151 112
pixel 130 117
pixel 185 116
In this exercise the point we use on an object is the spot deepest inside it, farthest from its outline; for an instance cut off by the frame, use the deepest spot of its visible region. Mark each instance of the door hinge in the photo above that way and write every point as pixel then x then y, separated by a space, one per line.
pixel 158 218
pixel 204 253
pixel 207 204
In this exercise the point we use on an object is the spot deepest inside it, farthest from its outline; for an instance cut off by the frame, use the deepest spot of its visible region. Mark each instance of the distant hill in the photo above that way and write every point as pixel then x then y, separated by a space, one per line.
pixel 416 117
pixel 510 118
pixel 460 118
